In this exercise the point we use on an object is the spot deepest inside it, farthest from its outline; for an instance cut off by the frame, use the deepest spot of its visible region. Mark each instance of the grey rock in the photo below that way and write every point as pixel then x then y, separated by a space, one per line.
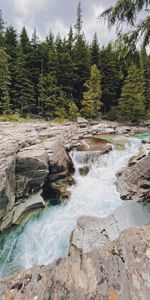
pixel 146 140
pixel 134 159
pixel 31 171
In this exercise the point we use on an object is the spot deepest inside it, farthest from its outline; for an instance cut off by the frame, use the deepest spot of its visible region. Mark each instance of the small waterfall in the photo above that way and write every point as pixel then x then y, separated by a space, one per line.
pixel 85 157
pixel 46 237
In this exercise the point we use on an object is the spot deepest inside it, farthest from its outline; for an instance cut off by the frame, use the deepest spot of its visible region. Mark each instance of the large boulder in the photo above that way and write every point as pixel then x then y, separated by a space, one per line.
pixel 117 271
pixel 31 171
pixel 134 181
pixel 94 144
pixel 82 122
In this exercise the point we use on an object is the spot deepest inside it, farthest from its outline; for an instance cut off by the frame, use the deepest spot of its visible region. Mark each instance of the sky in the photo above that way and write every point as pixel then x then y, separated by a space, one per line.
pixel 57 15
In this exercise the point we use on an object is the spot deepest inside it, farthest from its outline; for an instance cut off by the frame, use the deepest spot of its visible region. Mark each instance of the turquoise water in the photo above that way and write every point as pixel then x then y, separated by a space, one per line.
pixel 45 236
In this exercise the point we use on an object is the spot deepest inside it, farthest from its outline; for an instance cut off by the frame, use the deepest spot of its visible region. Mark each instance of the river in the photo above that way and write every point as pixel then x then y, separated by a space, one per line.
pixel 45 236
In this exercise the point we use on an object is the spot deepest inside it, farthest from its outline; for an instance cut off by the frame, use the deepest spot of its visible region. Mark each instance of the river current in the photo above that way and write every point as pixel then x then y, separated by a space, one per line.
pixel 45 236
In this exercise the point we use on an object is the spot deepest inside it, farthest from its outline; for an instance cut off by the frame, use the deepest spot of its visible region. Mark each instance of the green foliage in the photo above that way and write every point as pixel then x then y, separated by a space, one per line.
pixel 81 57
pixel 51 97
pixel 92 96
pixel 131 104
pixel 95 51
pixel 1 30
pixel 23 90
pixel 13 117
pixel 73 112
pixel 78 25
pixel 11 50
pixel 111 77
pixel 145 65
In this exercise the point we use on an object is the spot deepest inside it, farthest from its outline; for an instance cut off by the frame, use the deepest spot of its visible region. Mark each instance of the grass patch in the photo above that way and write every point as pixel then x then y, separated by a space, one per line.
pixel 13 118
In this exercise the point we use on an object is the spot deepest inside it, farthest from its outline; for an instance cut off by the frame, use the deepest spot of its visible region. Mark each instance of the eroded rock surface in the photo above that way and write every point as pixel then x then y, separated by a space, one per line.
pixel 117 271
pixel 134 181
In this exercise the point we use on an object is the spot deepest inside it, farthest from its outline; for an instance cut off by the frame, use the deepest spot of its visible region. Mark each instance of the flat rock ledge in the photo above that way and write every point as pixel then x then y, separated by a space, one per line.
pixel 34 155
pixel 118 270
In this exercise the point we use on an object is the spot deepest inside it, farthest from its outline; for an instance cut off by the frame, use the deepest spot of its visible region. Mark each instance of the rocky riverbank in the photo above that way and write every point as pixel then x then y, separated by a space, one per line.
pixel 34 156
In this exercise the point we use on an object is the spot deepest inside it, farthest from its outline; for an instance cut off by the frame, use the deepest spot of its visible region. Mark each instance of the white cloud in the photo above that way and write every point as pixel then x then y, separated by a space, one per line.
pixel 26 12
pixel 28 7
pixel 93 24
pixel 58 26
pixel 56 15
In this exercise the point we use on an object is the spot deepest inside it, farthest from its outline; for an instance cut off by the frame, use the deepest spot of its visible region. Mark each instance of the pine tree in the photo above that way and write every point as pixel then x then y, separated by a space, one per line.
pixel 52 59
pixel 50 39
pixel 4 83
pixel 92 96
pixel 78 24
pixel 24 92
pixel 43 52
pixel 42 93
pixel 110 77
pixel 95 51
pixel 49 93
pixel 35 66
pixel 25 42
pixel 131 104
pixel 73 112
pixel 1 30
pixel 25 59
pixel 11 49
pixel 64 67
pixel 70 40
pixel 145 65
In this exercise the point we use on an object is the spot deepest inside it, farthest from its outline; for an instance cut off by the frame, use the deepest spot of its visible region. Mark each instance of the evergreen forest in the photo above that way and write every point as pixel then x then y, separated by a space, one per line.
pixel 69 77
